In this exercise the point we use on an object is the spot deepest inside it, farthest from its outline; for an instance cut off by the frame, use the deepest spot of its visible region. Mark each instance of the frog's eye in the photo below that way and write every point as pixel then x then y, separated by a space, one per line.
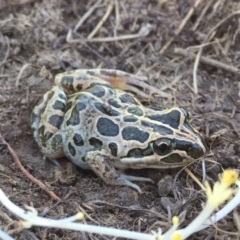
pixel 162 146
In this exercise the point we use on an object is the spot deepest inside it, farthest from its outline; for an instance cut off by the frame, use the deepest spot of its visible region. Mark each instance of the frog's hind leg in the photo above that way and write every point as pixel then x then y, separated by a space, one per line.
pixel 81 79
pixel 46 121
pixel 127 81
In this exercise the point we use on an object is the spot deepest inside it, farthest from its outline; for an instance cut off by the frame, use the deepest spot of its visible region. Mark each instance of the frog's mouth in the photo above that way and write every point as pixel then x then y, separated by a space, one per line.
pixel 155 161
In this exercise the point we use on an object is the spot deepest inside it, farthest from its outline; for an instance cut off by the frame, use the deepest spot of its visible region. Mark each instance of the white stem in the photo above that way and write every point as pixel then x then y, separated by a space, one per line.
pixel 235 201
pixel 5 236
pixel 199 220
pixel 44 222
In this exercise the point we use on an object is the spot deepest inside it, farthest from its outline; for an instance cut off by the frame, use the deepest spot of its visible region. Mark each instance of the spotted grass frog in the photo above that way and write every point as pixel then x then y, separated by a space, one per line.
pixel 90 118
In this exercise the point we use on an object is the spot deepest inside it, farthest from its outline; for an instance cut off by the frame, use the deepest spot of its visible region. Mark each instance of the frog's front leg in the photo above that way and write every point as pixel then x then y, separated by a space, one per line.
pixel 46 121
pixel 100 163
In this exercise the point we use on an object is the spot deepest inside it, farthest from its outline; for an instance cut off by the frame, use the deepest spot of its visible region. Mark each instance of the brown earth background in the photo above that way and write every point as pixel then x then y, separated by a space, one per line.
pixel 160 39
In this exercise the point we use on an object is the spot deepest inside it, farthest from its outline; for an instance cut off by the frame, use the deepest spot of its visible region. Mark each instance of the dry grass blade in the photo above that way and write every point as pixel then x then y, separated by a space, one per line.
pixel 101 22
pixel 106 39
pixel 20 73
pixel 208 60
pixel 86 15
pixel 194 178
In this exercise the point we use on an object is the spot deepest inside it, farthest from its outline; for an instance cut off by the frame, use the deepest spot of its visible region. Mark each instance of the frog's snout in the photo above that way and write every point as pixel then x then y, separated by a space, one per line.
pixel 199 148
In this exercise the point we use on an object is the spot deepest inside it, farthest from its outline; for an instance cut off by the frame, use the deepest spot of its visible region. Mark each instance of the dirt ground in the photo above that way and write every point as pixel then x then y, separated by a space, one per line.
pixel 159 39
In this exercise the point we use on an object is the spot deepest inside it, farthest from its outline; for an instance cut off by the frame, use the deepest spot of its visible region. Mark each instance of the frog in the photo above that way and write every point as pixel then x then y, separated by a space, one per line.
pixel 92 117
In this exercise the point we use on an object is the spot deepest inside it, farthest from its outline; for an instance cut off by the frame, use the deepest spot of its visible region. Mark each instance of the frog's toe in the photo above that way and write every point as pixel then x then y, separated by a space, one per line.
pixel 135 178
pixel 54 161
pixel 123 181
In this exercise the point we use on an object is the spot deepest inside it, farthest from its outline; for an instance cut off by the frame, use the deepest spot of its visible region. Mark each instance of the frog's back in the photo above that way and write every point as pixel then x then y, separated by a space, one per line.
pixel 101 117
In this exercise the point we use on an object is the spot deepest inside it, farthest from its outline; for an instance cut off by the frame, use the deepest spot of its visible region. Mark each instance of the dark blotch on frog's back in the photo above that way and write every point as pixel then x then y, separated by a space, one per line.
pixel 68 106
pixel 108 85
pixel 74 117
pixel 114 103
pixel 78 140
pixel 127 98
pixel 107 127
pixel 67 82
pixel 58 137
pixel 80 106
pixel 133 133
pixel 58 105
pixel 56 120
pixel 62 96
pixel 97 91
pixel 157 128
pixel 172 118
pixel 95 142
pixel 135 111
pixel 103 108
pixel 83 77
pixel 113 148
pixel 130 118
pixel 71 149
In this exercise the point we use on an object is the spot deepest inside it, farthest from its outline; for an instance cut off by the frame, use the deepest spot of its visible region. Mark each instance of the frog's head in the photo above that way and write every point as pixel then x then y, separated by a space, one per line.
pixel 172 139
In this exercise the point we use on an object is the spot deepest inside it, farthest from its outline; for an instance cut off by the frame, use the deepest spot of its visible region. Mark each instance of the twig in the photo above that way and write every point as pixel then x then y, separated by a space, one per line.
pixel 86 15
pixel 117 18
pixel 144 31
pixel 181 26
pixel 208 60
pixel 101 22
pixel 20 73
pixel 107 39
pixel 26 173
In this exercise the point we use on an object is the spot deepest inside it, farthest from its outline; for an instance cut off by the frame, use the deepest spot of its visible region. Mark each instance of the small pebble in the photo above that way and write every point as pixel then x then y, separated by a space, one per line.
pixel 165 186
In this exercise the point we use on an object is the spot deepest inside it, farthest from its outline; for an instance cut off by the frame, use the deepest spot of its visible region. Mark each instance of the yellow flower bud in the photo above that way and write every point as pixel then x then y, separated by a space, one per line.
pixel 176 236
pixel 175 220
pixel 79 216
pixel 229 177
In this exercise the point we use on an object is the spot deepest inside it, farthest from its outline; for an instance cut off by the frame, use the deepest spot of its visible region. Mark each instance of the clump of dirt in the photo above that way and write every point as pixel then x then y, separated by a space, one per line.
pixel 189 51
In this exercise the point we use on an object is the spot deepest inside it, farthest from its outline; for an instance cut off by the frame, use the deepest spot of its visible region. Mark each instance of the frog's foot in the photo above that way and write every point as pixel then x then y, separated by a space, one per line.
pixel 99 162
pixel 54 162
pixel 127 81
